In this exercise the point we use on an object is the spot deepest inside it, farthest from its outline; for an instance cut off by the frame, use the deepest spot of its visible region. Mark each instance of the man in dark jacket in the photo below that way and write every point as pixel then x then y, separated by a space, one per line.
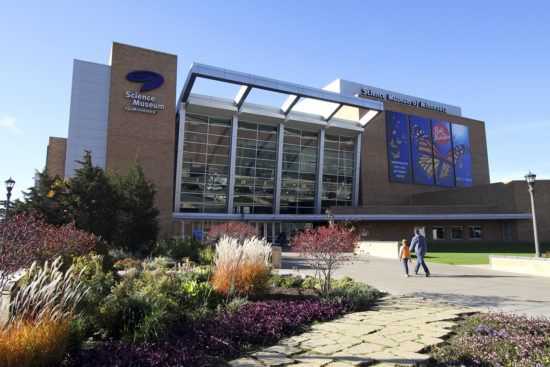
pixel 418 245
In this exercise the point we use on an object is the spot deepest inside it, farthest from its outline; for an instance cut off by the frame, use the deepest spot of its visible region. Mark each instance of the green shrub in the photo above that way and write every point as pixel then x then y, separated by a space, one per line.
pixel 207 256
pixel 286 281
pixel 96 279
pixel 133 314
pixel 152 299
pixel 353 293
pixel 179 248
pixel 77 334
pixel 311 283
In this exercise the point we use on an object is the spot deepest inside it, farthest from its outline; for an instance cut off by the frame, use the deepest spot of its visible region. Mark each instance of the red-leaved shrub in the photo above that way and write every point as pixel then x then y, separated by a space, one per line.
pixel 325 249
pixel 239 230
pixel 26 238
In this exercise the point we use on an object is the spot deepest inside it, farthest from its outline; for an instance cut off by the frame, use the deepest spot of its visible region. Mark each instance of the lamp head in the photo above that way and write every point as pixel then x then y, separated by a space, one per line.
pixel 9 184
pixel 530 178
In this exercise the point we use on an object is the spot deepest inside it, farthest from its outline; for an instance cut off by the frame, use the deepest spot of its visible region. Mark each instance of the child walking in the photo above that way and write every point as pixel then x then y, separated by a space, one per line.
pixel 405 256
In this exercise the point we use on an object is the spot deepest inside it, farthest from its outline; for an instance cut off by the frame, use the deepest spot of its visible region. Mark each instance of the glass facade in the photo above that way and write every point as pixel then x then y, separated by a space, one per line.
pixel 273 231
pixel 338 166
pixel 298 176
pixel 255 167
pixel 205 162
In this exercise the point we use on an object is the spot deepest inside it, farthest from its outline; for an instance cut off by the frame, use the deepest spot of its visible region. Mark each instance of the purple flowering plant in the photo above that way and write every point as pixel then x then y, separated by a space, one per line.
pixel 497 339
pixel 223 336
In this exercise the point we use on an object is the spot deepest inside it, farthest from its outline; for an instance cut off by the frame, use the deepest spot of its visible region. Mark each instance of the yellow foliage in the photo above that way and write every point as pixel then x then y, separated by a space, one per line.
pixel 51 194
pixel 34 343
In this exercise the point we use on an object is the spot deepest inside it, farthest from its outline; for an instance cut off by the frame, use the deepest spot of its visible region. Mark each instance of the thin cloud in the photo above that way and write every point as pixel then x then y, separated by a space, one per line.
pixel 8 122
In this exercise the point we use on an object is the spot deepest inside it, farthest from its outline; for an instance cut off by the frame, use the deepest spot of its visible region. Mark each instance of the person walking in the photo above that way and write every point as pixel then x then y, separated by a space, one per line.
pixel 405 256
pixel 418 245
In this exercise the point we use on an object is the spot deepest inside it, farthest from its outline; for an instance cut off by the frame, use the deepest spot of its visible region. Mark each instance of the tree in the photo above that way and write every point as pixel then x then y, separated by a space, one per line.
pixel 325 249
pixel 93 200
pixel 137 217
pixel 50 199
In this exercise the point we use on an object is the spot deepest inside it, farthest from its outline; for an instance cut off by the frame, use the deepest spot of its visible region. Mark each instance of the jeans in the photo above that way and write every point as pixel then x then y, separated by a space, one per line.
pixel 420 261
pixel 406 265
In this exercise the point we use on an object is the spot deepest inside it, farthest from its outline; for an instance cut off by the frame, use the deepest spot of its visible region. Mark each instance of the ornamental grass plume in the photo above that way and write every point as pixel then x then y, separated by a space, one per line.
pixel 49 292
pixel 42 310
pixel 241 270
pixel 34 342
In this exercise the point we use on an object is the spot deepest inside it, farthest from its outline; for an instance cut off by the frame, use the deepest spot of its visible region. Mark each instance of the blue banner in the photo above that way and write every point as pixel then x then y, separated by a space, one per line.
pixel 421 149
pixel 462 155
pixel 399 156
pixel 443 153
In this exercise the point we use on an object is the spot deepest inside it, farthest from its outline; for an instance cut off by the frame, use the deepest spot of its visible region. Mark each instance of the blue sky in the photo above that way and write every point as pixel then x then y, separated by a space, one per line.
pixel 492 58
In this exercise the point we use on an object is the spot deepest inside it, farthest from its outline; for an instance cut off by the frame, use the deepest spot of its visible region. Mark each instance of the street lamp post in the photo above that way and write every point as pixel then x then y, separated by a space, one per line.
pixel 9 186
pixel 530 177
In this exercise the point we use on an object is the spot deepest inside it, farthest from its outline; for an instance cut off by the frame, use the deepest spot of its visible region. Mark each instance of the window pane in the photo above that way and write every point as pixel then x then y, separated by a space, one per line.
pixel 475 232
pixel 195 137
pixel 438 233
pixel 457 233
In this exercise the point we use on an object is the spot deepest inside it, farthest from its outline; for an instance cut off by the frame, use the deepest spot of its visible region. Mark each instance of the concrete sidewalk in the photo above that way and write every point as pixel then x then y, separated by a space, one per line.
pixel 470 286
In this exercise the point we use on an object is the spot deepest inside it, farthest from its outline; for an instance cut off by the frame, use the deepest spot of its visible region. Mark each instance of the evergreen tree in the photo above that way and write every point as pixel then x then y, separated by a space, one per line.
pixel 137 220
pixel 50 199
pixel 93 200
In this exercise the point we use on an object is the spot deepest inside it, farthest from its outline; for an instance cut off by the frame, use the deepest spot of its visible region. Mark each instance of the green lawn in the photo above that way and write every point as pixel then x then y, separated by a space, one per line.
pixel 477 253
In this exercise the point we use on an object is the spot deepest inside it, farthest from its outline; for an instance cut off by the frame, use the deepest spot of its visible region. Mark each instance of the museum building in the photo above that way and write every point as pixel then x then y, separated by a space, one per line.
pixel 387 160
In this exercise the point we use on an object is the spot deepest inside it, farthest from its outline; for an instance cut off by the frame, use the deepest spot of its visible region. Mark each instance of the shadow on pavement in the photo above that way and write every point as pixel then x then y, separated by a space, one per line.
pixel 295 263
pixel 472 300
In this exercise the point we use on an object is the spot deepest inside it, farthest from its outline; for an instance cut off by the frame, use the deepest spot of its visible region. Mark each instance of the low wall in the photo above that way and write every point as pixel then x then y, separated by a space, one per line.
pixel 524 265
pixel 389 249
pixel 6 293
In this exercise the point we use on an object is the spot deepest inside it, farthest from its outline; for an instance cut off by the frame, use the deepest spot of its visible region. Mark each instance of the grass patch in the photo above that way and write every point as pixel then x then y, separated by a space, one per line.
pixel 477 253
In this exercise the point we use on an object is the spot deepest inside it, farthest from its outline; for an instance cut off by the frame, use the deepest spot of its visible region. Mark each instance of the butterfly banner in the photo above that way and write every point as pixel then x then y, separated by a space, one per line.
pixel 462 156
pixel 442 153
pixel 421 149
pixel 399 156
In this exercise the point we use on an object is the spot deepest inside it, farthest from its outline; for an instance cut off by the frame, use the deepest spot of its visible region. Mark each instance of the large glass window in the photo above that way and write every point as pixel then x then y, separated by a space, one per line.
pixel 205 160
pixel 338 165
pixel 298 176
pixel 255 168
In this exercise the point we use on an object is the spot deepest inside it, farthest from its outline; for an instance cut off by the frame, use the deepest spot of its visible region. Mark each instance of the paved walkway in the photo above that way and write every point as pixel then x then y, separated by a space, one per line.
pixel 417 313
pixel 392 333
pixel 472 286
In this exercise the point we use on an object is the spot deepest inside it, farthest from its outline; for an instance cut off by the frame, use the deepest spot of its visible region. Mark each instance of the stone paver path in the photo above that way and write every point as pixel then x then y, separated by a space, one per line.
pixel 393 333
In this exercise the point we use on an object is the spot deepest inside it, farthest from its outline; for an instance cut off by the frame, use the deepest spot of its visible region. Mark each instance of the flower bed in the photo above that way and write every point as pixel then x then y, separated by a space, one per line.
pixel 223 336
pixel 497 339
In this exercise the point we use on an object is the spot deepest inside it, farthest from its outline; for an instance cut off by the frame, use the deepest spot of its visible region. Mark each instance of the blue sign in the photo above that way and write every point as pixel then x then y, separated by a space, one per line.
pixel 399 154
pixel 421 149
pixel 462 155
pixel 150 79
pixel 443 153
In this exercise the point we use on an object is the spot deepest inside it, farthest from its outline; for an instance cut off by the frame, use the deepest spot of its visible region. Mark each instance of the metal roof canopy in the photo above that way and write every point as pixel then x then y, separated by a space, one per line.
pixel 295 91
pixel 351 217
